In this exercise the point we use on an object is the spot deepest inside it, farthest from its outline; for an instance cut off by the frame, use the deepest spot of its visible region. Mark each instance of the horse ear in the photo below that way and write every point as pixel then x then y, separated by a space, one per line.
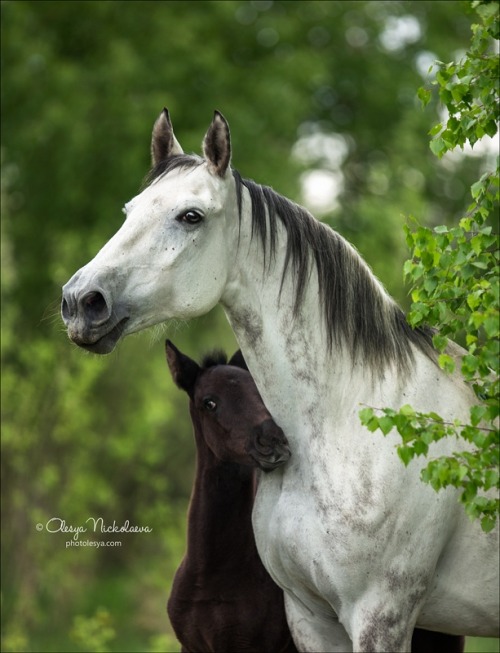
pixel 217 144
pixel 184 370
pixel 163 141
pixel 238 361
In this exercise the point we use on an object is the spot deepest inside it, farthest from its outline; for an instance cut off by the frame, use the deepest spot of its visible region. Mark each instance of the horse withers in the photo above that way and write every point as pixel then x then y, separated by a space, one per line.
pixel 222 597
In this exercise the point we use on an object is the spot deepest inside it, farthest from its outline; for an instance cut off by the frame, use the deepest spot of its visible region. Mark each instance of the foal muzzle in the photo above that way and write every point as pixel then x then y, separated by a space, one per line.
pixel 270 447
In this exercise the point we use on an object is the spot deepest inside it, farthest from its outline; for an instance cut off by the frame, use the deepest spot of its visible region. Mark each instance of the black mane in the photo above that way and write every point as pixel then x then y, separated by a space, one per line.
pixel 357 312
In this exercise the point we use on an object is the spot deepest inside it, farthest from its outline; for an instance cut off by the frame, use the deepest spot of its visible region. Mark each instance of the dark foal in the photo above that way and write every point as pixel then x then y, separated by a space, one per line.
pixel 222 598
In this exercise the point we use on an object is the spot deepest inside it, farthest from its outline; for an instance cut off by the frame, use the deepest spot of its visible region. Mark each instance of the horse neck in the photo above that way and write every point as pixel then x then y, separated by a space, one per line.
pixel 287 351
pixel 260 309
pixel 220 510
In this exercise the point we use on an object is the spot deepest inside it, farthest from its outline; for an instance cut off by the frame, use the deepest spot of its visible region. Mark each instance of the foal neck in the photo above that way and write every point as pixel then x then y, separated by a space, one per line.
pixel 220 511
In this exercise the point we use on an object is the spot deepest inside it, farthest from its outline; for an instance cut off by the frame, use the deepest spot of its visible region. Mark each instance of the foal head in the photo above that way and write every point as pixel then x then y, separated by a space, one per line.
pixel 225 402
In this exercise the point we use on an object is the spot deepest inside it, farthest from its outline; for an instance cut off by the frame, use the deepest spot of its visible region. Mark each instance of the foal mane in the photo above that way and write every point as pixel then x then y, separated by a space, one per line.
pixel 216 357
pixel 357 311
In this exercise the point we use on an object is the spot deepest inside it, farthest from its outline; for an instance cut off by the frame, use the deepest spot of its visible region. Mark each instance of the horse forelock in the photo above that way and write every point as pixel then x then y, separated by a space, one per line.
pixel 358 313
pixel 175 162
pixel 216 357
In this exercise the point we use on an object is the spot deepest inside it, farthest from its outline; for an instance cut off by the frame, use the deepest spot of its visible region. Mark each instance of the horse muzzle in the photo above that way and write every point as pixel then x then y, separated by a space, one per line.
pixel 93 323
pixel 270 447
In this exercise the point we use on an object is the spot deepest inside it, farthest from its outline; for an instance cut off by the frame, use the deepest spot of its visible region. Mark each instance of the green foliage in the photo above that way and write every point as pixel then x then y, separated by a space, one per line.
pixel 469 88
pixel 470 472
pixel 94 633
pixel 481 645
pixel 455 280
pixel 163 644
pixel 14 639
pixel 82 83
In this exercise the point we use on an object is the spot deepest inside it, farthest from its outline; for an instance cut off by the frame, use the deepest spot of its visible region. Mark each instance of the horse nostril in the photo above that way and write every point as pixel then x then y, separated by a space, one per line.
pixel 94 306
pixel 269 438
pixel 263 443
pixel 270 435
pixel 65 312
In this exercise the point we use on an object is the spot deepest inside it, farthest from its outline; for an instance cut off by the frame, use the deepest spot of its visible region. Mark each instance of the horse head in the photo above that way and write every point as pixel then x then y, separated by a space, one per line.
pixel 170 258
pixel 228 410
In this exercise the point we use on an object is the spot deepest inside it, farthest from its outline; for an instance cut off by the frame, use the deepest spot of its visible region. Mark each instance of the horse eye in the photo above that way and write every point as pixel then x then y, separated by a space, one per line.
pixel 210 405
pixel 191 217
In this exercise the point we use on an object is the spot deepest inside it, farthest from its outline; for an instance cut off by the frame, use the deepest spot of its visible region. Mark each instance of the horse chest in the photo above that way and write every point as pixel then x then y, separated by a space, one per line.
pixel 293 542
pixel 318 541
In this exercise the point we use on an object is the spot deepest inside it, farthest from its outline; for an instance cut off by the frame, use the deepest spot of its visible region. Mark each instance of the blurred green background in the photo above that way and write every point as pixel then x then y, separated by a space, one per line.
pixel 321 99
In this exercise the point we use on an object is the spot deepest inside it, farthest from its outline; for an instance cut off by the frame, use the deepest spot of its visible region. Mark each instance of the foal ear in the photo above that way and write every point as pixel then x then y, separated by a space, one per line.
pixel 184 370
pixel 163 141
pixel 238 361
pixel 217 145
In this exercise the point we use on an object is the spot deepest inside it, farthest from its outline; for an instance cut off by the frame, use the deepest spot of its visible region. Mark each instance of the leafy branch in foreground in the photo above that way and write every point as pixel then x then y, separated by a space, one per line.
pixel 454 274
pixel 469 88
pixel 471 472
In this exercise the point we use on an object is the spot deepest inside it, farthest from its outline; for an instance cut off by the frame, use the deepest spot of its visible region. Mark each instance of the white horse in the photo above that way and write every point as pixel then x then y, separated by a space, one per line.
pixel 363 549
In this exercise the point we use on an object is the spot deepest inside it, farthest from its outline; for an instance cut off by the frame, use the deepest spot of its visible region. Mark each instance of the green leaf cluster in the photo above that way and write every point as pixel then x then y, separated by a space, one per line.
pixel 473 472
pixel 454 274
pixel 469 88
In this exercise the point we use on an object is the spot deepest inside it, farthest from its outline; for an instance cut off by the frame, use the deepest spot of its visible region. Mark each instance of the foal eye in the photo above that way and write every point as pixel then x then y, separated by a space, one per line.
pixel 190 217
pixel 210 405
